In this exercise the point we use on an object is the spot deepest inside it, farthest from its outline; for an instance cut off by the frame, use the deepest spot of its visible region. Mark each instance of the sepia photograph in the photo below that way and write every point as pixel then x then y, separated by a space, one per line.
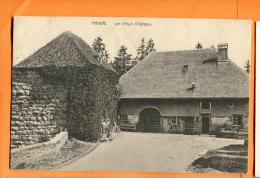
pixel 130 94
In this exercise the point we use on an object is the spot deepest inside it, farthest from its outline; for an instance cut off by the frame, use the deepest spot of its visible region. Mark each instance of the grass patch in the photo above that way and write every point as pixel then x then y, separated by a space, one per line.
pixel 42 158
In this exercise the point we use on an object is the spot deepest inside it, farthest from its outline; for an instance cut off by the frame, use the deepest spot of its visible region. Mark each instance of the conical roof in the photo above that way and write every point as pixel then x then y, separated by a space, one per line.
pixel 66 49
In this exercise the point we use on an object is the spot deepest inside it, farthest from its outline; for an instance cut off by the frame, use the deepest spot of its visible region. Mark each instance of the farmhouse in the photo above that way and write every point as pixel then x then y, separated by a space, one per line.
pixel 61 87
pixel 191 91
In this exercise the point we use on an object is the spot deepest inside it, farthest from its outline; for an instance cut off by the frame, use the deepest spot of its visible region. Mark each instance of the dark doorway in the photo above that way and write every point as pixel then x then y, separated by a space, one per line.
pixel 189 124
pixel 149 120
pixel 205 123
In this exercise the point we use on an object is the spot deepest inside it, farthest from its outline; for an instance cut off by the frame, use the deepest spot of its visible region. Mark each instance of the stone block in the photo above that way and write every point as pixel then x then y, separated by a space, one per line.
pixel 22 97
pixel 15 137
pixel 52 131
pixel 36 123
pixel 19 102
pixel 39 118
pixel 27 92
pixel 22 128
pixel 20 92
pixel 14 92
pixel 36 112
pixel 40 131
pixel 14 117
pixel 29 123
pixel 15 128
pixel 19 132
pixel 34 118
pixel 16 123
pixel 44 118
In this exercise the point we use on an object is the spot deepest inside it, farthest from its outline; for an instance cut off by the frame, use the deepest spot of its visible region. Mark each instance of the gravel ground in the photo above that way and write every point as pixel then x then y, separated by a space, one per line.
pixel 150 152
pixel 232 158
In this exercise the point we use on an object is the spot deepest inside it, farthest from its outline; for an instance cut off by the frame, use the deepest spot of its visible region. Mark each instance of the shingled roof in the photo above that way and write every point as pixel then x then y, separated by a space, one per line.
pixel 171 75
pixel 67 49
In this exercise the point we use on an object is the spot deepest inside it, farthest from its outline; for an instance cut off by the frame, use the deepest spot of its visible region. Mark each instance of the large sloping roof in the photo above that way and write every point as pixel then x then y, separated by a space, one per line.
pixel 162 75
pixel 67 49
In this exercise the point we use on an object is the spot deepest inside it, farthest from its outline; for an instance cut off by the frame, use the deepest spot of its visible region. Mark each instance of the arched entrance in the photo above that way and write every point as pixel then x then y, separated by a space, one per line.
pixel 149 120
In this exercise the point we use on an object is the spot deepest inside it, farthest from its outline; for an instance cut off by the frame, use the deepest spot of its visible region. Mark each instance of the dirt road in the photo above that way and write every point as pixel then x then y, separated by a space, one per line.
pixel 151 152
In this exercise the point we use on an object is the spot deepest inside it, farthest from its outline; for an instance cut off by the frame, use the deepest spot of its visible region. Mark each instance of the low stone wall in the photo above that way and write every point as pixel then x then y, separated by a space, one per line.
pixel 54 144
pixel 32 152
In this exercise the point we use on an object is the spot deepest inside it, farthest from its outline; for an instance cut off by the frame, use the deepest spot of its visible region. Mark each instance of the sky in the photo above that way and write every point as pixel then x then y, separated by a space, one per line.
pixel 32 33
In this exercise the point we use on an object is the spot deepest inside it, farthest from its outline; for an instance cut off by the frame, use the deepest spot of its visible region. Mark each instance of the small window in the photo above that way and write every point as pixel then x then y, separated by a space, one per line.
pixel 231 104
pixel 123 118
pixel 172 120
pixel 205 105
pixel 238 120
pixel 185 68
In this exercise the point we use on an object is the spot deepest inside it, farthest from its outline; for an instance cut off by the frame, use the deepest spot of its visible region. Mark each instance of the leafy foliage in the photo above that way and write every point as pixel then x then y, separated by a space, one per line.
pixel 124 62
pixel 100 48
pixel 91 92
pixel 145 49
pixel 120 62
pixel 150 47
pixel 199 45
pixel 247 66
pixel 141 51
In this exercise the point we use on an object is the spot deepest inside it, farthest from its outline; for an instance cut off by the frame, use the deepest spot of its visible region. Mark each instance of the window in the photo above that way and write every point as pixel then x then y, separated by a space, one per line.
pixel 205 105
pixel 172 120
pixel 231 104
pixel 185 68
pixel 238 120
pixel 197 119
pixel 123 119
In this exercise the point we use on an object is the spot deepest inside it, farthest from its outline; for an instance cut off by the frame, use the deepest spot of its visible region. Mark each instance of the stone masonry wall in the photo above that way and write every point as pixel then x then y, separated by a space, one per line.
pixel 49 99
pixel 37 106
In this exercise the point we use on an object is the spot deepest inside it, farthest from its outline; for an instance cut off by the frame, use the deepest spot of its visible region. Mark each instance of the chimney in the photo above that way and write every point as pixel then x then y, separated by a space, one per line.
pixel 193 86
pixel 223 52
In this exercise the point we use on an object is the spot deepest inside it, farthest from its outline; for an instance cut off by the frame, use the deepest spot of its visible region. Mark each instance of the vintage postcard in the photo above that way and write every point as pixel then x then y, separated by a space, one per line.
pixel 130 94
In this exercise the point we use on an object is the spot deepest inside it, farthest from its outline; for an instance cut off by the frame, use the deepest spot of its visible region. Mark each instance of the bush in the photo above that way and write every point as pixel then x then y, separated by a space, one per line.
pixel 92 92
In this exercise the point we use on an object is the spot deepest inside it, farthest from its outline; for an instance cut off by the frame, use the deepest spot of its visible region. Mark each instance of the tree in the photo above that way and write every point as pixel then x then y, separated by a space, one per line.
pixel 145 49
pixel 120 62
pixel 141 51
pixel 199 45
pixel 149 47
pixel 247 66
pixel 100 48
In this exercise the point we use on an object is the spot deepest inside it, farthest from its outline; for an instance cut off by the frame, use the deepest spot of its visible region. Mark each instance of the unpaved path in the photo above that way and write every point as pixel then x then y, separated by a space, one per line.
pixel 152 152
